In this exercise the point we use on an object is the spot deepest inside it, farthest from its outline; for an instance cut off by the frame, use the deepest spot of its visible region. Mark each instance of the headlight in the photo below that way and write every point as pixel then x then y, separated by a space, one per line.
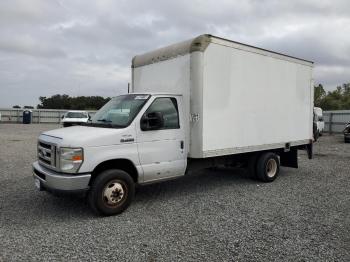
pixel 71 159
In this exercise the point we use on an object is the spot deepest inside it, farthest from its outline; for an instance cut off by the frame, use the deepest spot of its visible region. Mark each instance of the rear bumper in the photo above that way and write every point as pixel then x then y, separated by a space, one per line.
pixel 60 182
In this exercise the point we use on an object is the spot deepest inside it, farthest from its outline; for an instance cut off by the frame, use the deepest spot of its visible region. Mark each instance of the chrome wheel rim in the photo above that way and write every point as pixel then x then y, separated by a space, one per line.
pixel 271 168
pixel 114 193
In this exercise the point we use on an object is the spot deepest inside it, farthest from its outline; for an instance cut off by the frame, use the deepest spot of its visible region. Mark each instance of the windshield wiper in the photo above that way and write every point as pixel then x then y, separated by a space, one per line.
pixel 108 123
pixel 104 120
pixel 105 123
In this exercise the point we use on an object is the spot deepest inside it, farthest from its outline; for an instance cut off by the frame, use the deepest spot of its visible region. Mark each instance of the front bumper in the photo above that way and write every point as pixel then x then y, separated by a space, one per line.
pixel 52 180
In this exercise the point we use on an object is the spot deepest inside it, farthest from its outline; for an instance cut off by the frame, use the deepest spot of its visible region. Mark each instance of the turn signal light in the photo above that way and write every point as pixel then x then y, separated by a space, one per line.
pixel 77 158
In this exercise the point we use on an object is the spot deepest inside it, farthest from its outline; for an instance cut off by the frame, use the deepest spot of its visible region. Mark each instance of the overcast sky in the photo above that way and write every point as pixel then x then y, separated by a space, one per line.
pixel 85 47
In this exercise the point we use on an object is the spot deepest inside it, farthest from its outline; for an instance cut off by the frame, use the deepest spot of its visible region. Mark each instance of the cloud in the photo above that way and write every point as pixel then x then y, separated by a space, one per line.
pixel 29 46
pixel 85 47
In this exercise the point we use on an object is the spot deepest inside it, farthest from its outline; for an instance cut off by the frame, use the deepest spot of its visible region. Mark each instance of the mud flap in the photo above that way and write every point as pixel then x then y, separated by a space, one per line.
pixel 309 150
pixel 289 159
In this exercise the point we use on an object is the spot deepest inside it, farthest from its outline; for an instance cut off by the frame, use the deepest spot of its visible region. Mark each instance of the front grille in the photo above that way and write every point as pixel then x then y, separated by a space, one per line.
pixel 47 154
pixel 47 146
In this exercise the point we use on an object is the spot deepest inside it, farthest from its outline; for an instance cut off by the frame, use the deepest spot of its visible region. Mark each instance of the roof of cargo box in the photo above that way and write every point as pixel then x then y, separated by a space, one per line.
pixel 199 43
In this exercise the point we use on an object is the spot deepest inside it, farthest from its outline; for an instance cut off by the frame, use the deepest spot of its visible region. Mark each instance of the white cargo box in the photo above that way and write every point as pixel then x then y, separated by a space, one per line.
pixel 238 98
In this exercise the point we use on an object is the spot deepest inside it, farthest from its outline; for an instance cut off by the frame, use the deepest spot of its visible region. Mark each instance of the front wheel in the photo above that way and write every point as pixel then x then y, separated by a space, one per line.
pixel 267 167
pixel 111 192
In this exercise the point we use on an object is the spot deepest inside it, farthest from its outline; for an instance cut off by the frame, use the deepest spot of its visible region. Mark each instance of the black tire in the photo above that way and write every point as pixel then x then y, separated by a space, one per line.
pixel 109 186
pixel 267 167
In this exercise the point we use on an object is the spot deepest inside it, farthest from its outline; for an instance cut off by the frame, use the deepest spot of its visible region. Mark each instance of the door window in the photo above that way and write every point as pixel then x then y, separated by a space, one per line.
pixel 168 107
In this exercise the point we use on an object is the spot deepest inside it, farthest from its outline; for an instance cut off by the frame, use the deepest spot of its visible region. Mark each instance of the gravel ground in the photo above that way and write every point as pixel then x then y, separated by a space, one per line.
pixel 209 216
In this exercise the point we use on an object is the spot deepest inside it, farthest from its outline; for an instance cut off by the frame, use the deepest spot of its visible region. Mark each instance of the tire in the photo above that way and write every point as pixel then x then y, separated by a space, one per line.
pixel 267 167
pixel 111 192
pixel 316 135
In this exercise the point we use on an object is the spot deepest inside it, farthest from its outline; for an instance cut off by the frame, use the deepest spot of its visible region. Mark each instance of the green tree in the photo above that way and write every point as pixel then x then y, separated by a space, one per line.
pixel 338 99
pixel 72 103
pixel 319 94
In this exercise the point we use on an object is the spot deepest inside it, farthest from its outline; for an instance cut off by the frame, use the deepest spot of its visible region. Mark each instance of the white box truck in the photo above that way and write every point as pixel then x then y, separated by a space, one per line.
pixel 201 103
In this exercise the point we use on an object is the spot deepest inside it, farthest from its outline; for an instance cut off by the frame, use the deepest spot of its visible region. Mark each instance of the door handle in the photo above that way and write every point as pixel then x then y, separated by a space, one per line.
pixel 126 140
pixel 182 144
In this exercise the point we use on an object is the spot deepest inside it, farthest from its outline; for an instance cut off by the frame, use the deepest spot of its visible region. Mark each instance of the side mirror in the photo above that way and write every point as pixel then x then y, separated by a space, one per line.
pixel 152 121
pixel 62 116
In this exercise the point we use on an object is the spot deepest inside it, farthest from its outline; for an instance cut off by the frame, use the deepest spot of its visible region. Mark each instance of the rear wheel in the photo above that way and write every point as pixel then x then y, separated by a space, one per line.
pixel 267 167
pixel 111 192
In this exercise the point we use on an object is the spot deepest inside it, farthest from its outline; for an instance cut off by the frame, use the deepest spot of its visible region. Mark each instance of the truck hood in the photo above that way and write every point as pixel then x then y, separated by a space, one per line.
pixel 84 136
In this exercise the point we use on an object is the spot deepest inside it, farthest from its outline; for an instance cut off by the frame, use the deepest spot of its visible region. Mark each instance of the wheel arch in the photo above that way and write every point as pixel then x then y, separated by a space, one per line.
pixel 120 163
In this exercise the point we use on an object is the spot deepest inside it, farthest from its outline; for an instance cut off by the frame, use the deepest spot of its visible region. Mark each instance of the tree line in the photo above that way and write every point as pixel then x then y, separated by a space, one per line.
pixel 338 99
pixel 72 103
pixel 25 107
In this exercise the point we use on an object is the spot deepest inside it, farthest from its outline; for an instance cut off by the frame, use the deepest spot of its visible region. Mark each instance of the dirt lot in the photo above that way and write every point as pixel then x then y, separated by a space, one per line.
pixel 210 216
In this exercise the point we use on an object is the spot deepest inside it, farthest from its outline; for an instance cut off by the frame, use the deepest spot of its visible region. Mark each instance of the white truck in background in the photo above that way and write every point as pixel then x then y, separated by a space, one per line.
pixel 75 117
pixel 200 103
pixel 319 122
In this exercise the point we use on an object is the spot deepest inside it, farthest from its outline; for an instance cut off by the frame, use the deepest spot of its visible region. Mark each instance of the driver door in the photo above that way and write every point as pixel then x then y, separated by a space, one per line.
pixel 161 150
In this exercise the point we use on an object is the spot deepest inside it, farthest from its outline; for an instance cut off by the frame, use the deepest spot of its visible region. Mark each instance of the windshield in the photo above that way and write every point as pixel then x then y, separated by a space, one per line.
pixel 76 115
pixel 120 110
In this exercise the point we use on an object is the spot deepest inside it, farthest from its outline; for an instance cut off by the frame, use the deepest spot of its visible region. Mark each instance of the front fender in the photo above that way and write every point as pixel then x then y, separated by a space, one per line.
pixel 93 156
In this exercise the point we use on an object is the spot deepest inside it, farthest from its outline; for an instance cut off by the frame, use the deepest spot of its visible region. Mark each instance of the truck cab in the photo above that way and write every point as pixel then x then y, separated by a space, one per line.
pixel 136 138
